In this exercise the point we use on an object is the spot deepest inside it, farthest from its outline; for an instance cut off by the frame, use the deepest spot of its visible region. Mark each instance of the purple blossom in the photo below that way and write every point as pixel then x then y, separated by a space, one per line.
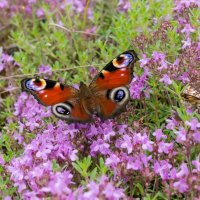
pixel 147 144
pixel 159 135
pixel 40 13
pixel 171 124
pixel 5 60
pixel 196 163
pixel 187 30
pixel 3 4
pixel 7 198
pixel 58 184
pixel 93 71
pixel 166 80
pixel 165 147
pixel 139 86
pixel 184 78
pixel 181 185
pixel 163 169
pixel 18 137
pixel 124 5
pixel 45 69
pixel 99 146
pixel 186 43
pixel 181 135
pixel 144 61
pixel 113 160
pixel 2 162
pixel 196 136
pixel 127 143
pixel 111 192
pixel 183 171
pixel 157 56
pixel 103 189
pixel 93 191
pixel 193 124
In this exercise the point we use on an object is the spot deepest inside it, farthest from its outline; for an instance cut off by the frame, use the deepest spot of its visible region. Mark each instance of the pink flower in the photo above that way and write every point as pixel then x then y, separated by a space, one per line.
pixel 144 61
pixel 184 78
pixel 165 147
pixel 166 80
pixel 93 191
pixel 40 13
pixel 45 69
pixel 18 137
pixel 111 192
pixel 147 144
pixel 186 43
pixel 100 146
pixel 127 143
pixel 58 184
pixel 187 30
pixel 163 169
pixel 196 163
pixel 193 123
pixel 134 163
pixel 159 135
pixel 2 162
pixel 113 160
pixel 3 4
pixel 124 5
pixel 181 185
pixel 181 135
pixel 183 171
pixel 171 124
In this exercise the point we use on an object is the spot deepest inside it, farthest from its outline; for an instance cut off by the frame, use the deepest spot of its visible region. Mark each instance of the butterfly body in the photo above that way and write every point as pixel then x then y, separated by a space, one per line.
pixel 105 96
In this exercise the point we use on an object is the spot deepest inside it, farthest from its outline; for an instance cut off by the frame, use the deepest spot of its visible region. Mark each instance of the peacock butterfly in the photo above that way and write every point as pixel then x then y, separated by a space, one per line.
pixel 106 95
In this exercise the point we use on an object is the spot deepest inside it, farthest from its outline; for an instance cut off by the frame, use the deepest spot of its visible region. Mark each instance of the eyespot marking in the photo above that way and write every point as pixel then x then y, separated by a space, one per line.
pixel 35 84
pixel 119 95
pixel 123 60
pixel 62 110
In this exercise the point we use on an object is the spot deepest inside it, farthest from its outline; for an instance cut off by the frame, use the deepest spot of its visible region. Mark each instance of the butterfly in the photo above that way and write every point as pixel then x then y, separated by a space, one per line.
pixel 106 96
pixel 191 97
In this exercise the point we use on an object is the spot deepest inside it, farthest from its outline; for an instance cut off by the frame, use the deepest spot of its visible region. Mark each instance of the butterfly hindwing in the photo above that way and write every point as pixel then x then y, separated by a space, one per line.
pixel 71 111
pixel 113 102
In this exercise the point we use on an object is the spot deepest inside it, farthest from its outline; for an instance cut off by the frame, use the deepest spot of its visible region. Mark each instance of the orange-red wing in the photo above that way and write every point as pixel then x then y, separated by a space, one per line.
pixel 110 85
pixel 71 111
pixel 114 79
pixel 48 92
pixel 106 107
pixel 116 73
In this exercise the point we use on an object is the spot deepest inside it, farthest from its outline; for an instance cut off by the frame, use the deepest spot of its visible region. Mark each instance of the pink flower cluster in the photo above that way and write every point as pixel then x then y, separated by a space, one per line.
pixel 28 7
pixel 131 155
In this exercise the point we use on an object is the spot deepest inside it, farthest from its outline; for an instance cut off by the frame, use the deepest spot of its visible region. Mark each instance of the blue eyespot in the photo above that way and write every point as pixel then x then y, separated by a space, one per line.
pixel 29 84
pixel 62 110
pixel 129 57
pixel 119 95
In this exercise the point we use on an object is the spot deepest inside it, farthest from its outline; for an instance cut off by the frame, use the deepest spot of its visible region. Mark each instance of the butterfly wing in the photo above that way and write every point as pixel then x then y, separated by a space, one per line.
pixel 63 98
pixel 110 85
pixel 191 97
